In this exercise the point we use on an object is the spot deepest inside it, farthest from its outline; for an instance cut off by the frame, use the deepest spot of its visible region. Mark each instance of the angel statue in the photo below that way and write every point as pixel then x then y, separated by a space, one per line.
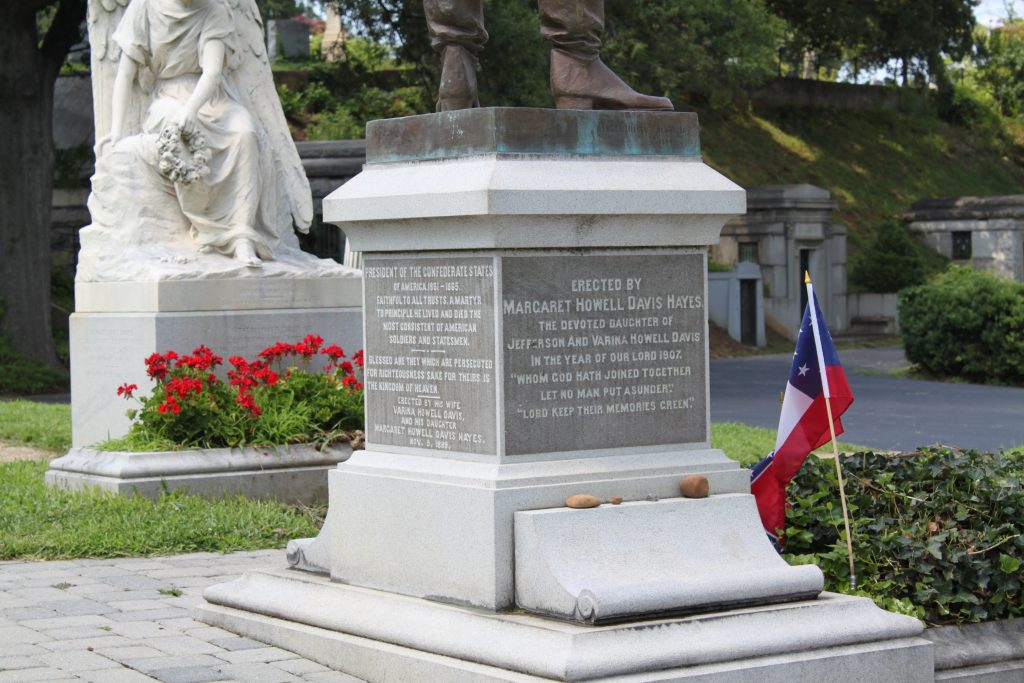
pixel 197 163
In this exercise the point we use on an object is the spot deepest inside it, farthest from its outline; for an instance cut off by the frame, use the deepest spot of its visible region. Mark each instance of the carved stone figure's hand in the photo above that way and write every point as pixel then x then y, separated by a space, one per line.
pixel 188 121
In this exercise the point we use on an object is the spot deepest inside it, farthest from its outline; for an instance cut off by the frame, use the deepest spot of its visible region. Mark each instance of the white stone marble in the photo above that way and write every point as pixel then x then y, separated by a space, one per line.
pixel 134 465
pixel 297 474
pixel 379 636
pixel 343 290
pixel 196 172
pixel 438 528
pixel 108 350
pixel 525 202
pixel 419 549
pixel 698 555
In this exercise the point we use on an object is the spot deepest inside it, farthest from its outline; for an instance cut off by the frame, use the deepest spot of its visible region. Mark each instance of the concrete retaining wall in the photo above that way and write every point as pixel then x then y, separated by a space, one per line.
pixel 873 313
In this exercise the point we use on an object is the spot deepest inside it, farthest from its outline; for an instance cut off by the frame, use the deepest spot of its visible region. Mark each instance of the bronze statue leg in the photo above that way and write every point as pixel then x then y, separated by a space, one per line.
pixel 579 79
pixel 574 26
pixel 456 33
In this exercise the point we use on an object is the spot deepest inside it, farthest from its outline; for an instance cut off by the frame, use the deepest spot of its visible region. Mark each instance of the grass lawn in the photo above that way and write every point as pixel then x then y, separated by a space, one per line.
pixel 40 425
pixel 876 164
pixel 38 522
pixel 747 445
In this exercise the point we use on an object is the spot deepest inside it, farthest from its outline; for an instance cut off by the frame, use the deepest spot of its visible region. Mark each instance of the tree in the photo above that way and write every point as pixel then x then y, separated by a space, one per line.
pixel 829 29
pixel 916 34
pixel 29 66
pixel 280 9
pixel 715 48
pixel 1000 65
pixel 894 258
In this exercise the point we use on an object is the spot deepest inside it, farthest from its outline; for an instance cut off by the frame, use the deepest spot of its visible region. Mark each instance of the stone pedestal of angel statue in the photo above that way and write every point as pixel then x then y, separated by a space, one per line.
pixel 198 159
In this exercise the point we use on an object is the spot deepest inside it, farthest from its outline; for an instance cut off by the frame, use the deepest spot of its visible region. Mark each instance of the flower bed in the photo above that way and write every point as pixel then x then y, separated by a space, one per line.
pixel 271 428
pixel 274 399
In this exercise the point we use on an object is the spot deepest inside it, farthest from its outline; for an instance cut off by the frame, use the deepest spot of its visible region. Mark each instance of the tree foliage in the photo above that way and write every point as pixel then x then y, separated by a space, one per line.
pixel 916 34
pixel 715 48
pixel 894 258
pixel 830 28
pixel 281 9
pixel 1000 66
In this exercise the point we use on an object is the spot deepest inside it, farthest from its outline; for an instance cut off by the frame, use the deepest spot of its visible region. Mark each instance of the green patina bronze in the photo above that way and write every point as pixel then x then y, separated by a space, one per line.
pixel 518 130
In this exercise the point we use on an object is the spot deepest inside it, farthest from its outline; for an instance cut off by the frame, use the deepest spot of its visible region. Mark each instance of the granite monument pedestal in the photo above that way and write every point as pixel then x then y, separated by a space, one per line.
pixel 535 288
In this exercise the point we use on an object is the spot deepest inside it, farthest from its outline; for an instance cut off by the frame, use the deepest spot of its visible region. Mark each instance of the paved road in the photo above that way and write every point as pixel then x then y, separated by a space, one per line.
pixel 887 413
pixel 122 621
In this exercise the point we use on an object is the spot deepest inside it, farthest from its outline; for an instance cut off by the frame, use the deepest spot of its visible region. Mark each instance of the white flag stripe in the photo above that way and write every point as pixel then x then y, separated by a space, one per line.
pixel 794 404
pixel 817 340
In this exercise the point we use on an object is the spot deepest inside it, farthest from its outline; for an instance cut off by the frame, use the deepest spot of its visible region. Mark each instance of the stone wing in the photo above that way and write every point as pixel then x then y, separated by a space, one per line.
pixel 254 83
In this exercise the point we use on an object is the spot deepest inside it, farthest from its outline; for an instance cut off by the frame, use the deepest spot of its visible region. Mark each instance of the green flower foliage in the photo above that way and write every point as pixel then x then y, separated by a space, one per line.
pixel 936 534
pixel 966 324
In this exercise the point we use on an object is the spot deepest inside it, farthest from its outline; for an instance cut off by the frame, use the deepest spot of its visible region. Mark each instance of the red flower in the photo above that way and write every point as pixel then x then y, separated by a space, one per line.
pixel 358 358
pixel 334 352
pixel 183 386
pixel 267 376
pixel 156 368
pixel 276 351
pixel 126 390
pixel 171 404
pixel 314 341
pixel 346 368
pixel 245 400
pixel 202 358
pixel 352 383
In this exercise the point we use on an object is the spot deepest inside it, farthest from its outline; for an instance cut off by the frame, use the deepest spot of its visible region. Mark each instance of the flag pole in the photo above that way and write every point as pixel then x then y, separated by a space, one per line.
pixel 831 426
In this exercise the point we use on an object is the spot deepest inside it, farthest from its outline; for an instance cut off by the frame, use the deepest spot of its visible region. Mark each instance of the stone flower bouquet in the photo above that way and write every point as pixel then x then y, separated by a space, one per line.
pixel 183 155
pixel 272 400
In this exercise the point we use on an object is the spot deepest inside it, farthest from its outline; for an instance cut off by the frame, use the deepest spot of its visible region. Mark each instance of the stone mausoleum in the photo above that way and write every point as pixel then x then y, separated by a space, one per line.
pixel 986 232
pixel 788 229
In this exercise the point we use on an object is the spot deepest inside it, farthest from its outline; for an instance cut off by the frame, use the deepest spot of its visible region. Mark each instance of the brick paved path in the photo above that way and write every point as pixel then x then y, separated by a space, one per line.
pixel 130 620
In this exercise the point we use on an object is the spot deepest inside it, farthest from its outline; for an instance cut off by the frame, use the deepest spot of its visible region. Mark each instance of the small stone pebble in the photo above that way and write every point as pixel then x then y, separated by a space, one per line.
pixel 581 501
pixel 694 486
pixel 616 500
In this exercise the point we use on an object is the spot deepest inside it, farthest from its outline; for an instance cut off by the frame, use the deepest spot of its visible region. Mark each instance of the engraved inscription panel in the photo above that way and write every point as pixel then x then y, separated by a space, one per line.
pixel 603 351
pixel 430 353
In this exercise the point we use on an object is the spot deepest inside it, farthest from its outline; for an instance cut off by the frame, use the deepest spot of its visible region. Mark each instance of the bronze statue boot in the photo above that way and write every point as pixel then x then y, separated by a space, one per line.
pixel 589 84
pixel 458 79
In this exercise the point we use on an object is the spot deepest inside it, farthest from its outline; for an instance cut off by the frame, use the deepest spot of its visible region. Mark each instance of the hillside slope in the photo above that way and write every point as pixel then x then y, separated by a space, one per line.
pixel 876 163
